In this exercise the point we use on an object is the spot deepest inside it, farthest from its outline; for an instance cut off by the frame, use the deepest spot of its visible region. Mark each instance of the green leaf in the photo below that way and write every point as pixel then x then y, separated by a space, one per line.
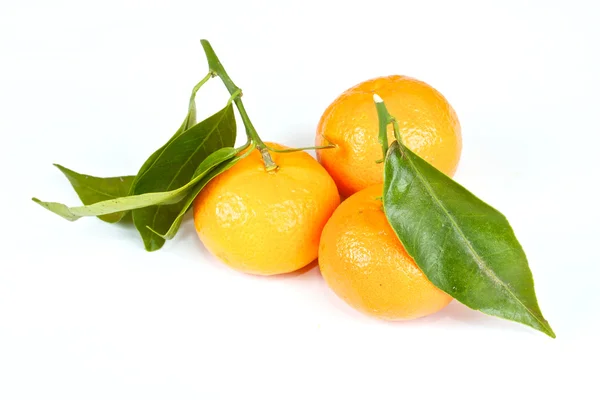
pixel 464 246
pixel 118 205
pixel 99 193
pixel 207 176
pixel 175 167
pixel 92 189
pixel 188 122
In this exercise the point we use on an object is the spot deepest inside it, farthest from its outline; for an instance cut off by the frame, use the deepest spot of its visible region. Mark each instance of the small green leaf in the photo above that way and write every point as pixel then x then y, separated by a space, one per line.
pixel 464 246
pixel 175 167
pixel 92 189
pixel 119 205
pixel 207 176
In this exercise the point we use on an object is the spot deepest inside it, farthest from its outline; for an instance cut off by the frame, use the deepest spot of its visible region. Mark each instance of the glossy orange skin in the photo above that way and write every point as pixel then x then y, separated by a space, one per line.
pixel 428 126
pixel 365 264
pixel 263 222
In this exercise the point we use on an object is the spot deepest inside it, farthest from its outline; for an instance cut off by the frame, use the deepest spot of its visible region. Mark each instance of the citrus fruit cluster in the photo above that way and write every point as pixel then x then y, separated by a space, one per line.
pixel 274 220
pixel 405 240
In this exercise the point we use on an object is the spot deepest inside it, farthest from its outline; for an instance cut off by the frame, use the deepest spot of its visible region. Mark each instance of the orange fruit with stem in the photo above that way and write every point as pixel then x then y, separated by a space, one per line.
pixel 266 222
pixel 365 264
pixel 428 125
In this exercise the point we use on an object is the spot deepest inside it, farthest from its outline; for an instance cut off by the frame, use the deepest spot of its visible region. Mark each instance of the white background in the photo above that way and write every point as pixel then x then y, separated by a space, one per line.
pixel 86 313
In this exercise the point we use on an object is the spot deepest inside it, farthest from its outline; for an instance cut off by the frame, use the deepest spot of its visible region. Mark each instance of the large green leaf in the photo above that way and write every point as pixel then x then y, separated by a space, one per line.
pixel 115 205
pixel 207 176
pixel 175 167
pixel 92 189
pixel 464 246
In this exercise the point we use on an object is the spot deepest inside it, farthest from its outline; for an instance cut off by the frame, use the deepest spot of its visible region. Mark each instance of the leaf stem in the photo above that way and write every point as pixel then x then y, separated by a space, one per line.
pixel 216 68
pixel 192 106
pixel 248 144
pixel 234 96
pixel 385 118
pixel 397 130
pixel 197 87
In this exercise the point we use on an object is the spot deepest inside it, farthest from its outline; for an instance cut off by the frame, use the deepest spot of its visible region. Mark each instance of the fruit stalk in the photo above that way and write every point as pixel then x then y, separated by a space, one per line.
pixel 217 69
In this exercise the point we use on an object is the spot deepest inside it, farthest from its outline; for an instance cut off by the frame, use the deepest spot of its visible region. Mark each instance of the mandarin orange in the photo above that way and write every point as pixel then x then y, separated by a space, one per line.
pixel 365 264
pixel 266 222
pixel 428 126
